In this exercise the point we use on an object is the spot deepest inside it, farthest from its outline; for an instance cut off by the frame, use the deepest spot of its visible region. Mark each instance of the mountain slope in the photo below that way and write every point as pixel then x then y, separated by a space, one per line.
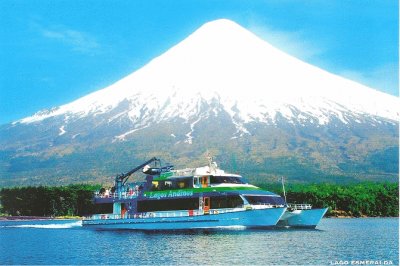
pixel 223 89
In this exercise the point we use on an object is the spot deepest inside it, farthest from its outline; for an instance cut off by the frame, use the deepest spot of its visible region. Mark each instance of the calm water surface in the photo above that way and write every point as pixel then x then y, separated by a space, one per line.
pixel 336 241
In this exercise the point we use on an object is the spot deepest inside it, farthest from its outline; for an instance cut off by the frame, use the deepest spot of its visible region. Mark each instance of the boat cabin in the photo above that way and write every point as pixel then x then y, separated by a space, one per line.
pixel 184 182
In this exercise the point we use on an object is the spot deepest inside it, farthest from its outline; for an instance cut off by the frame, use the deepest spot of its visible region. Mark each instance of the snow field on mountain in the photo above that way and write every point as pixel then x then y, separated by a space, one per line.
pixel 226 67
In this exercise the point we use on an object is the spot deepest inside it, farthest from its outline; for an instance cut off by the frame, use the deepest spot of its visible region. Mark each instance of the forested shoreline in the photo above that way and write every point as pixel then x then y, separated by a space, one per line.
pixel 352 200
pixel 72 200
pixel 368 199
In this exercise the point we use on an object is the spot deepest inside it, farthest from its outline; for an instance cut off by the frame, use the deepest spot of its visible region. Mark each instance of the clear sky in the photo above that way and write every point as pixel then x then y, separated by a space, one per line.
pixel 53 52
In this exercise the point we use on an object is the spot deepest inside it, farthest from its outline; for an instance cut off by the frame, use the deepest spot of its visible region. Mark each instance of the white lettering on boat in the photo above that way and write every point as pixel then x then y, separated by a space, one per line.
pixel 170 194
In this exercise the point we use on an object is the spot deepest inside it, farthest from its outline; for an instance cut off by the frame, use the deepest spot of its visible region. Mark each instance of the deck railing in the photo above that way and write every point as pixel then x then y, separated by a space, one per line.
pixel 105 216
pixel 299 206
pixel 161 214
pixel 115 195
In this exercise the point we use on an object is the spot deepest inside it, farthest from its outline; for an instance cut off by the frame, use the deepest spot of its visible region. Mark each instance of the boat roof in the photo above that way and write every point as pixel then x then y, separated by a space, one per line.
pixel 199 171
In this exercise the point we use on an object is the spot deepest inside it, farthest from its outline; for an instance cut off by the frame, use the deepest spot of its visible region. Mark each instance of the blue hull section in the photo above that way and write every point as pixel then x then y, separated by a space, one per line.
pixel 262 218
pixel 302 218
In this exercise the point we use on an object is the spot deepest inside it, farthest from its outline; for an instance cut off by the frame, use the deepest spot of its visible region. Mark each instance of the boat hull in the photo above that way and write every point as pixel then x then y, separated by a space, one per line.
pixel 302 218
pixel 260 218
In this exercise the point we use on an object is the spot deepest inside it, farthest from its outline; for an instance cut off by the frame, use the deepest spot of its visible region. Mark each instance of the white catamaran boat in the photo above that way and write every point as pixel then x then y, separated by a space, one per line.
pixel 192 198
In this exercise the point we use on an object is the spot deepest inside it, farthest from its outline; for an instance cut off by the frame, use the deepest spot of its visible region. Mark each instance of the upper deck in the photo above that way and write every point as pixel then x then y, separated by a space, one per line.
pixel 207 180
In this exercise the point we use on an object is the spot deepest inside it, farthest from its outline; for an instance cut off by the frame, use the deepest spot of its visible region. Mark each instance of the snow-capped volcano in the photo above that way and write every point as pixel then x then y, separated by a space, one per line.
pixel 251 79
pixel 225 89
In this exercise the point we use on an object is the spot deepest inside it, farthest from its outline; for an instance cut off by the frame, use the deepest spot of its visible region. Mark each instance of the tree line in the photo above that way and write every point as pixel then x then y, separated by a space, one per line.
pixel 72 200
pixel 356 200
pixel 359 199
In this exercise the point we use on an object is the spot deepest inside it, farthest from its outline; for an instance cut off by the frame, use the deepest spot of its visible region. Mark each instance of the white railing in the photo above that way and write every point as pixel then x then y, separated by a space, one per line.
pixel 162 214
pixel 145 215
pixel 105 216
pixel 263 206
pixel 299 206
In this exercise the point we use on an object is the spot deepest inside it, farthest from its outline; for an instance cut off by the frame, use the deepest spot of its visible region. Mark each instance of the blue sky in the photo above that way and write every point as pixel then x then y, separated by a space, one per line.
pixel 53 52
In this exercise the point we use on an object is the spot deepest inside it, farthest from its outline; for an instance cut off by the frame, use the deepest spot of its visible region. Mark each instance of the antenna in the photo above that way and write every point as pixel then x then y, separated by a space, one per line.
pixel 212 166
pixel 209 158
pixel 283 187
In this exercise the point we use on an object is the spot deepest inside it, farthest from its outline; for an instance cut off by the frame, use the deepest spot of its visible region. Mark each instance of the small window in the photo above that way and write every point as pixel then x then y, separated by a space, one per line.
pixel 154 185
pixel 206 203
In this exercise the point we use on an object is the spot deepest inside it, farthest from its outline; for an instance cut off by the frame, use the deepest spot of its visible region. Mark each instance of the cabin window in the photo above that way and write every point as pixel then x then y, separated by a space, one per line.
pixel 103 208
pixel 167 185
pixel 226 179
pixel 206 201
pixel 196 182
pixel 264 200
pixel 168 205
pixel 154 185
pixel 232 201
pixel 179 183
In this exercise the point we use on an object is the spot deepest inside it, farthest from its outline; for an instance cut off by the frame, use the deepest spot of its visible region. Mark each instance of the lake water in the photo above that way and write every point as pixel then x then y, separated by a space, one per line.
pixel 334 242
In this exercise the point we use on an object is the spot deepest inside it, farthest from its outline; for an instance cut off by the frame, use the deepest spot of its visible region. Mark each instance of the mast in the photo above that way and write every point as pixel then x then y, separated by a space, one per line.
pixel 212 166
pixel 209 159
pixel 283 187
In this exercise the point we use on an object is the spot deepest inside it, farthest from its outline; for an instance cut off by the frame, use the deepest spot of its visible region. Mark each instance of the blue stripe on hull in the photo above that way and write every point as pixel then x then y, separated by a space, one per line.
pixel 248 219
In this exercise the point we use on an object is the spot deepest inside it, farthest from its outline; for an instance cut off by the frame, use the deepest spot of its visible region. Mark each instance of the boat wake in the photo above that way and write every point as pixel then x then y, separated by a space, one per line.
pixel 47 226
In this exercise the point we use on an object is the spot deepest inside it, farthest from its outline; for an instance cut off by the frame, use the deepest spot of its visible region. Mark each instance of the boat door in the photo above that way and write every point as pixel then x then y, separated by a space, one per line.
pixel 123 210
pixel 204 181
pixel 206 205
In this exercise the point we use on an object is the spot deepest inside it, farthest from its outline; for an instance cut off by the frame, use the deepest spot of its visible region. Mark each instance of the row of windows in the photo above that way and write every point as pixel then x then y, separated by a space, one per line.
pixel 226 179
pixel 168 205
pixel 217 202
pixel 187 182
pixel 172 184
pixel 262 200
